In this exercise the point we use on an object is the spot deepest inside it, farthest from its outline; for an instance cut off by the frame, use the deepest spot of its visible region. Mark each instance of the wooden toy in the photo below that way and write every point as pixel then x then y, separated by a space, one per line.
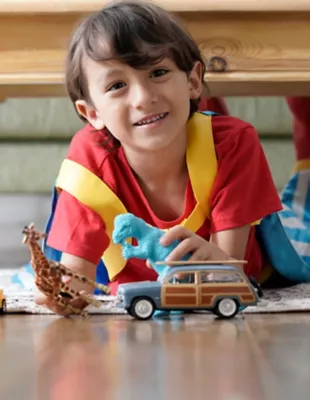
pixel 219 287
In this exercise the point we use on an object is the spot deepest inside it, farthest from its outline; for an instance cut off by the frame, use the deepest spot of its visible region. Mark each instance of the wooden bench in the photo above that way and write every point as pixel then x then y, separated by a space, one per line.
pixel 251 47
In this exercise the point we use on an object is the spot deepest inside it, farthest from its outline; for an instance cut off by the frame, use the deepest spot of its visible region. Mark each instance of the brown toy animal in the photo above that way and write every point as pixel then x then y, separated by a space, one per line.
pixel 49 275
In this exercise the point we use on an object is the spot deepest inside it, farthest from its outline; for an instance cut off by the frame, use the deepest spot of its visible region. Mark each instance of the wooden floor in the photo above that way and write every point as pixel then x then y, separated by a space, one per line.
pixel 114 358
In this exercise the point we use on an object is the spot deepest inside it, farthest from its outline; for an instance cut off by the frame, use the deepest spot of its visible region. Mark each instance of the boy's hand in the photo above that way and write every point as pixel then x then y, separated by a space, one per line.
pixel 51 303
pixel 199 248
pixel 80 266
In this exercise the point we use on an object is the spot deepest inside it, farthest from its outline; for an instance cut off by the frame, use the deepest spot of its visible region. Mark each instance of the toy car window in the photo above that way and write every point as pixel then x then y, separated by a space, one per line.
pixel 220 277
pixel 206 277
pixel 182 278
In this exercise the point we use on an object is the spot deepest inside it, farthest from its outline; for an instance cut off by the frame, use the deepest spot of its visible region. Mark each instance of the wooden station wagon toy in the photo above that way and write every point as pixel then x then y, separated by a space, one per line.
pixel 2 302
pixel 219 287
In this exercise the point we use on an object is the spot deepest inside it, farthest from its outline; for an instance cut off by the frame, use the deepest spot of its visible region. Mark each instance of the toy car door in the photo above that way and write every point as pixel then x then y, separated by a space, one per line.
pixel 180 292
pixel 223 284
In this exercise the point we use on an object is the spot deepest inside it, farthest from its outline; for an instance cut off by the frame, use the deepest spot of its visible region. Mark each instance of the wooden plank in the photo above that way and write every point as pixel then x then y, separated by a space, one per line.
pixel 31 79
pixel 247 83
pixel 256 53
pixel 244 58
pixel 33 57
pixel 238 42
pixel 21 85
pixel 29 44
pixel 253 42
pixel 64 6
pixel 34 90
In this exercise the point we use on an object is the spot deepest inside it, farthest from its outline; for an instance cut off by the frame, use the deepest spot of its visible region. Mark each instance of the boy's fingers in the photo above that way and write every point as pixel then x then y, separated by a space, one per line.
pixel 66 279
pixel 57 308
pixel 79 303
pixel 199 255
pixel 40 298
pixel 176 233
pixel 46 301
pixel 183 248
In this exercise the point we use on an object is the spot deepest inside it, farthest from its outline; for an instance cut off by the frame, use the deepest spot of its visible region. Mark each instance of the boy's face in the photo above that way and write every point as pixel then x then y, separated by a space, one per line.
pixel 144 109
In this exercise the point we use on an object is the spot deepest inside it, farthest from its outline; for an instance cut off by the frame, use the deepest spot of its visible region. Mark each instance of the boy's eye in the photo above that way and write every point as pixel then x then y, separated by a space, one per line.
pixel 116 86
pixel 159 72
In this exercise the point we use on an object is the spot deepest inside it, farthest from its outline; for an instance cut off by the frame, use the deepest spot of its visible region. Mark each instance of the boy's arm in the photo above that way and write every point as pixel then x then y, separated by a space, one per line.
pixel 229 244
pixel 243 193
pixel 82 267
pixel 233 242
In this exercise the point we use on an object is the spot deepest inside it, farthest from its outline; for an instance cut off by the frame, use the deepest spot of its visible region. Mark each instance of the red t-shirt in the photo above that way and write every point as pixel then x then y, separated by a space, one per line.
pixel 243 192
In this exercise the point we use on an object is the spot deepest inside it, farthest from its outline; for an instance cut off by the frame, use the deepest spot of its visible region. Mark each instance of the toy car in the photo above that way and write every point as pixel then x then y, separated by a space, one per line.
pixel 2 302
pixel 222 289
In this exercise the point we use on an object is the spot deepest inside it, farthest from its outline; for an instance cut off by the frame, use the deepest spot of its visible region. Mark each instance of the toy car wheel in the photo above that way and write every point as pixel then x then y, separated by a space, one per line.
pixel 3 307
pixel 226 308
pixel 142 308
pixel 257 286
pixel 129 312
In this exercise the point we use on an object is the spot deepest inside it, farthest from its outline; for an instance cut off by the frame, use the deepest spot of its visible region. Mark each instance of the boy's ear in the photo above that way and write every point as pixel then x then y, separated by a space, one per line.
pixel 195 81
pixel 89 113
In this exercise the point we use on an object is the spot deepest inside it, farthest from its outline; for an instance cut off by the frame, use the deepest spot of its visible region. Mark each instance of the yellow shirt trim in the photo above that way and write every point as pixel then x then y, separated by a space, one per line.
pixel 94 193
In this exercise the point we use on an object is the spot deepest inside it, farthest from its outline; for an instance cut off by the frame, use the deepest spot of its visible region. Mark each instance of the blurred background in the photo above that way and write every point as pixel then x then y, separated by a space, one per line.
pixel 34 137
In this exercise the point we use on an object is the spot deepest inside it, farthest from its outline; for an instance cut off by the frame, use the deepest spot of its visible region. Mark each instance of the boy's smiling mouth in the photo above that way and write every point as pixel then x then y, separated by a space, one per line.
pixel 151 119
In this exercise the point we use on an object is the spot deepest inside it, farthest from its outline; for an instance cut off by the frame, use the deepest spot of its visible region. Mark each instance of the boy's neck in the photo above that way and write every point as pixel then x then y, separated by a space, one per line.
pixel 165 165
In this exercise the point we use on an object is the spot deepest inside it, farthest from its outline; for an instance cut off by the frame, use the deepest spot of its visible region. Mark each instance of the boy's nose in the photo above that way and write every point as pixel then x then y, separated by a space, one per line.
pixel 143 96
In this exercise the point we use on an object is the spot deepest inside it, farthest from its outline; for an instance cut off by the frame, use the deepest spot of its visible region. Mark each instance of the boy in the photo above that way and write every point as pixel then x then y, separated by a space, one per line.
pixel 136 77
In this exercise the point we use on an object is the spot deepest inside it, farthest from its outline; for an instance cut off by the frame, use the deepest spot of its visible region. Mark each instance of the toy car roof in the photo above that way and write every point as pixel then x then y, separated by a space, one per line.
pixel 224 262
pixel 206 267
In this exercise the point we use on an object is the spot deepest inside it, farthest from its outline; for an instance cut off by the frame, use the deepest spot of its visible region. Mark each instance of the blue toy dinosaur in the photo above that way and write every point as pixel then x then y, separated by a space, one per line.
pixel 129 226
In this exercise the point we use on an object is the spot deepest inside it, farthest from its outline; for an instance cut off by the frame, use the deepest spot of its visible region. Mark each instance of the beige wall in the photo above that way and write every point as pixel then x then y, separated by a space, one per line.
pixel 32 166
pixel 56 117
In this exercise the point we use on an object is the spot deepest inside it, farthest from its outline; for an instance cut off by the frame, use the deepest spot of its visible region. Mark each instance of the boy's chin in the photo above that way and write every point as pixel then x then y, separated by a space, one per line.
pixel 158 143
pixel 154 147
